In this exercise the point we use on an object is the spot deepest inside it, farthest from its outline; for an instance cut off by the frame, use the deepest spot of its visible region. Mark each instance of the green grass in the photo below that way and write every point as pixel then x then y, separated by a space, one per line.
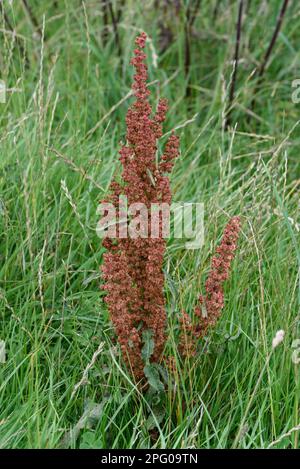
pixel 52 314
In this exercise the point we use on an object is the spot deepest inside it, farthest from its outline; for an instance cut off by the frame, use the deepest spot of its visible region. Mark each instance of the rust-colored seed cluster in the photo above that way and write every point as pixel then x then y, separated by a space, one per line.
pixel 210 306
pixel 132 268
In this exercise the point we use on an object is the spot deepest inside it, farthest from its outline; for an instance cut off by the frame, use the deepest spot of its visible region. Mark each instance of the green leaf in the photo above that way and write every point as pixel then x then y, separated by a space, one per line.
pixel 163 372
pixel 148 347
pixel 152 180
pixel 89 441
pixel 91 415
pixel 2 352
pixel 153 377
pixel 152 421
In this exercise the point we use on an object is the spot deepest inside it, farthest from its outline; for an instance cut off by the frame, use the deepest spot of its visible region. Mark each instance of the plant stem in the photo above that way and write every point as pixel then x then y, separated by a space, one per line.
pixel 11 28
pixel 105 22
pixel 242 424
pixel 267 55
pixel 32 18
pixel 235 64
pixel 274 37
pixel 116 32
pixel 189 21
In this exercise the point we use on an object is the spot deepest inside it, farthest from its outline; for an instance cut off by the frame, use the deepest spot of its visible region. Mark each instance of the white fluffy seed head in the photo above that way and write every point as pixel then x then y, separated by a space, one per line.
pixel 279 336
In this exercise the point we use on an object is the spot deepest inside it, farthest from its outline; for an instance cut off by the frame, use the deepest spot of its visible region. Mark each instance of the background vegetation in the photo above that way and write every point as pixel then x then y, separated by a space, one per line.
pixel 66 68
